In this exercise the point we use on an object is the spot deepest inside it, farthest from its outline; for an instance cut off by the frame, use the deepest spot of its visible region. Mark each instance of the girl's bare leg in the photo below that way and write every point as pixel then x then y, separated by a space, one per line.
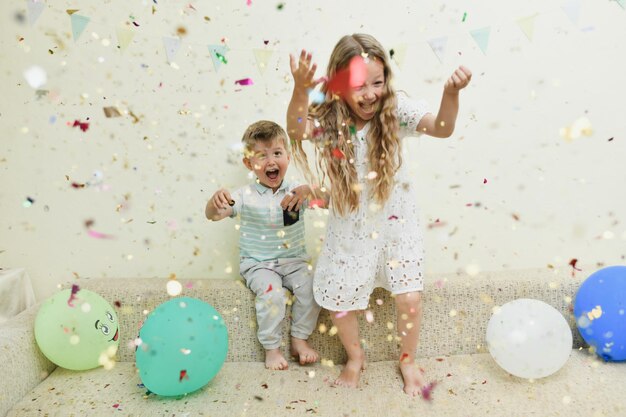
pixel 348 330
pixel 409 310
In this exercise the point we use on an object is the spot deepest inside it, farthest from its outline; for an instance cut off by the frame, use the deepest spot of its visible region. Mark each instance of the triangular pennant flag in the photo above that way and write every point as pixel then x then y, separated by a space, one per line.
pixel 218 55
pixel 481 36
pixel 124 35
pixel 438 46
pixel 262 57
pixel 622 3
pixel 171 47
pixel 79 23
pixel 397 53
pixel 34 10
pixel 527 24
pixel 572 10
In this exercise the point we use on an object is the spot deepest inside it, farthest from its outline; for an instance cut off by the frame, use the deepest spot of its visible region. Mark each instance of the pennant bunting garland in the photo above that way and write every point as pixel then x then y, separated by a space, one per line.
pixel 124 36
pixel 438 45
pixel 262 57
pixel 399 52
pixel 481 36
pixel 79 23
pixel 527 25
pixel 218 55
pixel 171 48
pixel 34 10
pixel 572 10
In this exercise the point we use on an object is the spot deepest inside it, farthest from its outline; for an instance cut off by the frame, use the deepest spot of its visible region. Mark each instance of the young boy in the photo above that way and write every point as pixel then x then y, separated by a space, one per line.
pixel 272 246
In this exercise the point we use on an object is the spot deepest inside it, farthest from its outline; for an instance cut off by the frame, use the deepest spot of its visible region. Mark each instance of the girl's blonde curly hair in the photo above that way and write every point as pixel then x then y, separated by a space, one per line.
pixel 333 128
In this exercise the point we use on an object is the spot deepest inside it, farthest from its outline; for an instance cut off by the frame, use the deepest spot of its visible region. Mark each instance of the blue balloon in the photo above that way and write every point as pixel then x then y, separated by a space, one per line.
pixel 600 311
pixel 184 343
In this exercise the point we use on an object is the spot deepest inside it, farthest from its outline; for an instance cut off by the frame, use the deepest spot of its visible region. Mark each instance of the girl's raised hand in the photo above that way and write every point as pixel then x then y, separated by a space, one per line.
pixel 304 71
pixel 459 79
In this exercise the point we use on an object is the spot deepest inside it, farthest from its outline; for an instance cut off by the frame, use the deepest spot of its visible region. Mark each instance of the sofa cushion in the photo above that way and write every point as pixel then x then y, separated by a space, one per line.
pixel 468 385
pixel 457 308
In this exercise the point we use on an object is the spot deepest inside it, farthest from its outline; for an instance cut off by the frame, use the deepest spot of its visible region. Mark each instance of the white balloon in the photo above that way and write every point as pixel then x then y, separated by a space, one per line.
pixel 529 338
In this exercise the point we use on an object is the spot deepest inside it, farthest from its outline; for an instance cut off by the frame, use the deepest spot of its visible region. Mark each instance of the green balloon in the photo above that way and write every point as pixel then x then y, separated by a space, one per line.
pixel 74 328
pixel 184 343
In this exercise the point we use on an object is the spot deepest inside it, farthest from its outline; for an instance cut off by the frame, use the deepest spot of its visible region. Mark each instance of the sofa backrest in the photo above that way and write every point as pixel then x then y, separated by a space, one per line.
pixel 456 311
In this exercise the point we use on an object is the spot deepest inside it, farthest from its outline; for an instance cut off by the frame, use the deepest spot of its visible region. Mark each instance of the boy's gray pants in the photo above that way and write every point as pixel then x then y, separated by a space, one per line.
pixel 266 280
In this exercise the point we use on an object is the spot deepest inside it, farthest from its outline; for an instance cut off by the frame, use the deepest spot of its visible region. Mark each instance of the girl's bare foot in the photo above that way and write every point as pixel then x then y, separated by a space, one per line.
pixel 304 353
pixel 351 372
pixel 414 383
pixel 275 360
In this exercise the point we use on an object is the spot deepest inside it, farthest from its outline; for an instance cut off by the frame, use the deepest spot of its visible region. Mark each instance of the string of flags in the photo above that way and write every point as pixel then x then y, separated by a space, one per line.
pixel 126 32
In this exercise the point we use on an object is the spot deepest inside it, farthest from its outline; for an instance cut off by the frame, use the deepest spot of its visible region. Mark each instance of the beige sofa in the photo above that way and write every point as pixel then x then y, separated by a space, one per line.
pixel 452 351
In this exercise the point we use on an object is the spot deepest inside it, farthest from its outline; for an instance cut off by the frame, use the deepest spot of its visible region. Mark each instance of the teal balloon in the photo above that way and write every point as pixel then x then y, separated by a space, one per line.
pixel 184 343
pixel 77 329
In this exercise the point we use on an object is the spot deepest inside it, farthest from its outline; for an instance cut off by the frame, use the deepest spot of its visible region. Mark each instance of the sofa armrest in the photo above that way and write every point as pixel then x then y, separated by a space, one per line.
pixel 22 363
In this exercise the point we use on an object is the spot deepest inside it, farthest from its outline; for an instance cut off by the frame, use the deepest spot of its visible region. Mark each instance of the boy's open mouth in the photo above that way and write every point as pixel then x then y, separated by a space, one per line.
pixel 272 174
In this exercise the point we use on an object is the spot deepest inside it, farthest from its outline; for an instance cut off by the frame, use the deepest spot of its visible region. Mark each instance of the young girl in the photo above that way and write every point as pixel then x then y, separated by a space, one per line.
pixel 373 236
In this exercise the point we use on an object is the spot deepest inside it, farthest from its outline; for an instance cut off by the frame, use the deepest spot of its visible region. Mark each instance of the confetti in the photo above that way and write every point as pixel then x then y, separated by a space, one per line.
pixel 464 17
pixel 268 289
pixel 82 125
pixel 317 203
pixel 428 390
pixel 346 79
pixel 75 289
pixel 183 375
pixel 572 263
pixel 111 112
pixel 338 154
pixel 245 81
pixel 28 202
pixel 35 76
pixel 392 217
pixel 221 57
pixel 341 314
pixel 280 6
pixel 98 235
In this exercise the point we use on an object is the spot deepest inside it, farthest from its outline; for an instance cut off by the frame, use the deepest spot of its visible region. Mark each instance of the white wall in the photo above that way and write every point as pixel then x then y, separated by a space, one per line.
pixel 153 176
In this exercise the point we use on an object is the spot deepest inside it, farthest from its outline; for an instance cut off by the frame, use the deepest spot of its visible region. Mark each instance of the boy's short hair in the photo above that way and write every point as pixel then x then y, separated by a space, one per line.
pixel 262 131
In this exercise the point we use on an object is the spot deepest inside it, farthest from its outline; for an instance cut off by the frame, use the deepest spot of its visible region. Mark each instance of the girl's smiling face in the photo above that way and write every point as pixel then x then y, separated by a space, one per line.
pixel 269 161
pixel 365 100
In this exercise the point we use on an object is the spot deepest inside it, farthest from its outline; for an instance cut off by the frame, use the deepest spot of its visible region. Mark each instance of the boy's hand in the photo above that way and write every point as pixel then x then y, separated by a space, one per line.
pixel 459 79
pixel 304 72
pixel 222 200
pixel 293 200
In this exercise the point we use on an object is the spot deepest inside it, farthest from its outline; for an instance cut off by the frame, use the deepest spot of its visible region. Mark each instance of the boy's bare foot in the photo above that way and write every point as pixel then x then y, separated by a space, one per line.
pixel 351 372
pixel 275 360
pixel 414 383
pixel 304 353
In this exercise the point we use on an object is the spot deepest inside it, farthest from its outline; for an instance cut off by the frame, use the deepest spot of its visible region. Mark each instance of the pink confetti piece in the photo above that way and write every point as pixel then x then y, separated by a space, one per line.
pixel 428 390
pixel 98 235
pixel 439 283
pixel 484 180
pixel 245 81
pixel 317 203
pixel 341 314
pixel 392 217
